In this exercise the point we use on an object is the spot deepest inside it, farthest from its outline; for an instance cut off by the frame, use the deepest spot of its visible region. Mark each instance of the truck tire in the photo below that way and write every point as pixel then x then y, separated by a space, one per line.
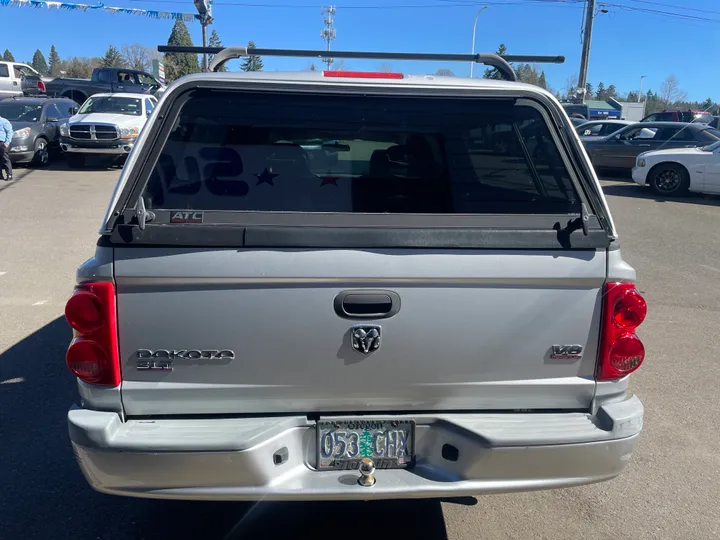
pixel 42 153
pixel 75 161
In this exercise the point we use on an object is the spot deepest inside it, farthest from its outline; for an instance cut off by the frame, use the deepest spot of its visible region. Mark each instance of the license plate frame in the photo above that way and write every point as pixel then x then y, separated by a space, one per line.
pixel 393 433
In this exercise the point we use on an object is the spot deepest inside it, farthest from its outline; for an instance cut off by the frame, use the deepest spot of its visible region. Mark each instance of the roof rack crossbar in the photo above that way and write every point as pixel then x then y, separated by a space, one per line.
pixel 501 63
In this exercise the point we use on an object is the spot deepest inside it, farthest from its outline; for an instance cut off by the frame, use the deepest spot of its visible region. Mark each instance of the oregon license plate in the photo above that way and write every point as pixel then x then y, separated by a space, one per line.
pixel 342 444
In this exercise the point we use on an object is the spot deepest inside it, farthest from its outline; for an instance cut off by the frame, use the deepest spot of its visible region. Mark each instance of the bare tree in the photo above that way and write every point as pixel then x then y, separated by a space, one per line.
pixel 138 56
pixel 339 65
pixel 571 84
pixel 384 68
pixel 670 91
pixel 80 68
pixel 444 72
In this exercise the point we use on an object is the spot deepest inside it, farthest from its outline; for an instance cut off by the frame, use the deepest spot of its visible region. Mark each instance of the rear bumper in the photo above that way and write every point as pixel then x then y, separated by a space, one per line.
pixel 232 459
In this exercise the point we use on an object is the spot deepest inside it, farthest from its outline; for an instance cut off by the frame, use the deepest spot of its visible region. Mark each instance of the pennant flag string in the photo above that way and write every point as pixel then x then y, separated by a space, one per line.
pixel 186 17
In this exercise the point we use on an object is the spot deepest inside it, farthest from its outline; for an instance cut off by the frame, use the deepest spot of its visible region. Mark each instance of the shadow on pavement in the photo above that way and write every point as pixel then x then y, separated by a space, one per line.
pixel 639 192
pixel 43 494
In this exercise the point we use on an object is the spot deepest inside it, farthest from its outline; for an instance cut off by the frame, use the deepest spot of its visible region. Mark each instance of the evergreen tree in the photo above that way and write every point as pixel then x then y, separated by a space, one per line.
pixel 252 62
pixel 589 94
pixel 7 56
pixel 492 73
pixel 542 83
pixel 54 68
pixel 215 42
pixel 113 58
pixel 601 92
pixel 611 92
pixel 39 63
pixel 180 64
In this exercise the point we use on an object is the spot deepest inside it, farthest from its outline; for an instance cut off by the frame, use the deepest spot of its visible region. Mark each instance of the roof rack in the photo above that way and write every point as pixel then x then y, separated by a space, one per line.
pixel 501 63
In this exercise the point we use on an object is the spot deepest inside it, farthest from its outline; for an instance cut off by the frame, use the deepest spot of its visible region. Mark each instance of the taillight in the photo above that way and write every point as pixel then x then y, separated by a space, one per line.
pixel 363 74
pixel 621 351
pixel 93 354
pixel 41 87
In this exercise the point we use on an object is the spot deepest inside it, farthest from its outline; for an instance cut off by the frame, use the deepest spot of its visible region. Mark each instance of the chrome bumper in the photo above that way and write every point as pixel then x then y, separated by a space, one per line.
pixel 232 459
pixel 121 149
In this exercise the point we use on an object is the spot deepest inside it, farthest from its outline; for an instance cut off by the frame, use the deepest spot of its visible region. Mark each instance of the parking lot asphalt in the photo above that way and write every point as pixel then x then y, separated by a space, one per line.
pixel 671 489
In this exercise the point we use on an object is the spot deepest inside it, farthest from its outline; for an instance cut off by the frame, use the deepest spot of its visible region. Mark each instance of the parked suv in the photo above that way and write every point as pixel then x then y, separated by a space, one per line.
pixel 35 122
pixel 419 316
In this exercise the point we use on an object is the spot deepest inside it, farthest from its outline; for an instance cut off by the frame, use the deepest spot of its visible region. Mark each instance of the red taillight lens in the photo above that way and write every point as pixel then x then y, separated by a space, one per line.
pixel 93 354
pixel 363 74
pixel 84 312
pixel 621 351
pixel 41 86
pixel 87 360
pixel 630 309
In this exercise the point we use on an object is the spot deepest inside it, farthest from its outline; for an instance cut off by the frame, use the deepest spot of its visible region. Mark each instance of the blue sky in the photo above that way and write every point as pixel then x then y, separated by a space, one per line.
pixel 626 43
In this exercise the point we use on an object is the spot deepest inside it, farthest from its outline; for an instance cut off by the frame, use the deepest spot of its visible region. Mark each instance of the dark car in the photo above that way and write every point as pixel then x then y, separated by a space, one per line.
pixel 619 150
pixel 35 121
pixel 701 117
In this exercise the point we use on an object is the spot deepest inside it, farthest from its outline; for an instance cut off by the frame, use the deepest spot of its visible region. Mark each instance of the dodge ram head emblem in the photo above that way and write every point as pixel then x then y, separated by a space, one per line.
pixel 365 338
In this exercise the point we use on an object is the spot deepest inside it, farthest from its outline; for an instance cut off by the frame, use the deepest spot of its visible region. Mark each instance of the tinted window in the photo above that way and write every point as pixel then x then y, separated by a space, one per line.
pixel 334 153
pixel 20 112
pixel 586 131
pixel 660 117
pixel 53 112
pixel 609 129
pixel 103 75
pixel 4 71
pixel 144 78
pixel 638 133
pixel 149 106
pixel 676 134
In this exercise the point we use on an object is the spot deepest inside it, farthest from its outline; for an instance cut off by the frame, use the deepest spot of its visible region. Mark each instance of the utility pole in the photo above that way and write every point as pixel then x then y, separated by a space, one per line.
pixel 472 64
pixel 587 37
pixel 328 33
pixel 204 9
pixel 640 92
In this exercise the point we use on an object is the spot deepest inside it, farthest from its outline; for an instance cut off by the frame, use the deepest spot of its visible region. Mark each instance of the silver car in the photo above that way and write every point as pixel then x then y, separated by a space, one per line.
pixel 419 316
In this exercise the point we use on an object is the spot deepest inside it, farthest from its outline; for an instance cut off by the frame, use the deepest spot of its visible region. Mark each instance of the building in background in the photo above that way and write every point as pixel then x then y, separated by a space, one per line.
pixel 630 110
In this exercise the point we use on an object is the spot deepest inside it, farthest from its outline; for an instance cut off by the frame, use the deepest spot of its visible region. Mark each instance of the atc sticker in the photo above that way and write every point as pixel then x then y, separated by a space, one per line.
pixel 186 217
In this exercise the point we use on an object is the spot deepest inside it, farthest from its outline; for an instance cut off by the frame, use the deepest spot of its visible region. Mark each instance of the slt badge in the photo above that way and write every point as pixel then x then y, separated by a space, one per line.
pixel 365 338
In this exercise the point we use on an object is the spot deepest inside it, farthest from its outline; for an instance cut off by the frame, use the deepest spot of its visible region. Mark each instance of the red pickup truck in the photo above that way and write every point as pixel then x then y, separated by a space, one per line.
pixel 701 117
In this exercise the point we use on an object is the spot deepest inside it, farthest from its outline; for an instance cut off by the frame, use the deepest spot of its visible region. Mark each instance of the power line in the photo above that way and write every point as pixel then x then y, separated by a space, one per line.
pixel 663 13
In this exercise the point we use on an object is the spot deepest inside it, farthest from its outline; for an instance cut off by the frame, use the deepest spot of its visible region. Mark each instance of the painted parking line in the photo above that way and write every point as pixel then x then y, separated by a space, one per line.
pixel 40 302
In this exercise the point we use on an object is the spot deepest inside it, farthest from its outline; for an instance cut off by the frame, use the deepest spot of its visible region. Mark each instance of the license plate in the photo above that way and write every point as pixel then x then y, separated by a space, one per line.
pixel 343 444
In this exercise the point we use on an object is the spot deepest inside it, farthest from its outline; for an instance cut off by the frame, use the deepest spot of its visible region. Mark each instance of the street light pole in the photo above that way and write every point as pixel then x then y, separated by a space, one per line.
pixel 472 64
pixel 640 92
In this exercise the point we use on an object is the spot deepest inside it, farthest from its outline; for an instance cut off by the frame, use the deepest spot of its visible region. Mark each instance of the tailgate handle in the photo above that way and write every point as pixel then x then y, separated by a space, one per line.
pixel 364 304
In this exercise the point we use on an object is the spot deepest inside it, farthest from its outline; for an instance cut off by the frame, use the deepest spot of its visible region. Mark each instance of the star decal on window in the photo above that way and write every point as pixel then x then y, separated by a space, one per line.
pixel 265 177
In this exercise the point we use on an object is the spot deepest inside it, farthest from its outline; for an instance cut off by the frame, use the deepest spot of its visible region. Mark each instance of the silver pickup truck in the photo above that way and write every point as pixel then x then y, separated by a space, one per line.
pixel 331 285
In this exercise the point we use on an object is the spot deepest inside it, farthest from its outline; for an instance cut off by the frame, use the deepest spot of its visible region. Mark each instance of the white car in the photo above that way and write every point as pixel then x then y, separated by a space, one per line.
pixel 107 124
pixel 679 170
